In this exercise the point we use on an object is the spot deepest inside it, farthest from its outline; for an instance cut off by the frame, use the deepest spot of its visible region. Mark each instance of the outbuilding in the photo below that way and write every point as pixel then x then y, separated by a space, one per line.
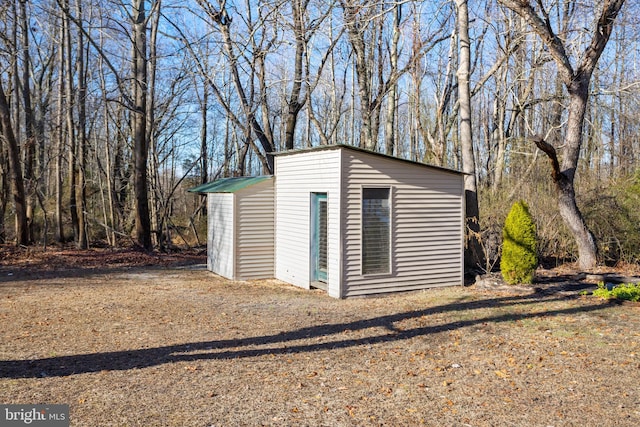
pixel 344 219
pixel 240 230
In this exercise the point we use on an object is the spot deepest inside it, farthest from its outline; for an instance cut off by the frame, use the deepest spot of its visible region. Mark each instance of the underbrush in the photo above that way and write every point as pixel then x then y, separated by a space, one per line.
pixel 609 208
pixel 626 292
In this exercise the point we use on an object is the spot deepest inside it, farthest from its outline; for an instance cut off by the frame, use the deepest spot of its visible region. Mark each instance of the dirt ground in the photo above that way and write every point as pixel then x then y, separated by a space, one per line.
pixel 130 339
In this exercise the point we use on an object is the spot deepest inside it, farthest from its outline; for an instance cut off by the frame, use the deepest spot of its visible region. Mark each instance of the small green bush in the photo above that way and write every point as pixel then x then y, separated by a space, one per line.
pixel 627 292
pixel 519 245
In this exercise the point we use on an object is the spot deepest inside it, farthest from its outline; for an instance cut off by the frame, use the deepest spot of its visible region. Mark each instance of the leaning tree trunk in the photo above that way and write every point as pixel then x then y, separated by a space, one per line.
pixel 563 177
pixel 587 248
pixel 569 211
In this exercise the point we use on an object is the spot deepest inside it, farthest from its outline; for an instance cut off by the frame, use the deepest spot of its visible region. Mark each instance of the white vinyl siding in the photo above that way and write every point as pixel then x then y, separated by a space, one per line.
pixel 240 232
pixel 220 240
pixel 264 229
pixel 426 219
pixel 254 231
pixel 297 177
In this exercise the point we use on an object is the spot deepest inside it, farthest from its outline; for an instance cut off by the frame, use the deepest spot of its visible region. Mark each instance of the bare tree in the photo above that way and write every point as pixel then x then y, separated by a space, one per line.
pixel 358 18
pixel 220 19
pixel 576 81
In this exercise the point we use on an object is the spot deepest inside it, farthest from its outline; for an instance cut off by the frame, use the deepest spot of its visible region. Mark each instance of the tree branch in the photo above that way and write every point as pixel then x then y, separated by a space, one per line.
pixel 544 30
pixel 550 151
pixel 600 35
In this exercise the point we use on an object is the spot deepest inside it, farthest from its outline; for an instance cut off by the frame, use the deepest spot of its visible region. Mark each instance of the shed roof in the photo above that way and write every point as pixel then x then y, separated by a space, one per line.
pixel 362 150
pixel 229 185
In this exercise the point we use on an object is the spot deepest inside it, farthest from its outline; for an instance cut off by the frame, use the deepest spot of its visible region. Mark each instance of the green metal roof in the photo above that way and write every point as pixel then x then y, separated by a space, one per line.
pixel 229 185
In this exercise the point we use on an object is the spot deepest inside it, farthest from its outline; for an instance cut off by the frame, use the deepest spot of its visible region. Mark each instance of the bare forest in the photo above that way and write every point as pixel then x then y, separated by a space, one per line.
pixel 110 110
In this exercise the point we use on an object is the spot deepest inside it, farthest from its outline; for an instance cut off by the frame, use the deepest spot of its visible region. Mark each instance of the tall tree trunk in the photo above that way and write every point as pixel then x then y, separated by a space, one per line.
pixel 295 102
pixel 111 173
pixel 71 128
pixel 17 184
pixel 473 253
pixel 389 133
pixel 204 151
pixel 4 190
pixel 362 72
pixel 59 225
pixel 29 122
pixel 81 196
pixel 156 196
pixel 587 248
pixel 139 118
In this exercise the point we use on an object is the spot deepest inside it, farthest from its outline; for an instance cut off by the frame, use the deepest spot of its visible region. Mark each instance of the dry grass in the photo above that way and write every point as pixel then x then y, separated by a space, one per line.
pixel 180 347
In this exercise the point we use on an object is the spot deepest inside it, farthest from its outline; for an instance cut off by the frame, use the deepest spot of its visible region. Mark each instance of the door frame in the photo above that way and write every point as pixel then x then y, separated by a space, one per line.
pixel 318 275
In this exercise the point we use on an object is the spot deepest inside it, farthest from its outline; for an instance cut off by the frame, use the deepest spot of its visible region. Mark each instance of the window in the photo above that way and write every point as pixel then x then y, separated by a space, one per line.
pixel 376 231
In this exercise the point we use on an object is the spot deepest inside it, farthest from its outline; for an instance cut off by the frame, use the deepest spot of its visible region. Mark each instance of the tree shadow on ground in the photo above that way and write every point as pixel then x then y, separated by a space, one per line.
pixel 303 340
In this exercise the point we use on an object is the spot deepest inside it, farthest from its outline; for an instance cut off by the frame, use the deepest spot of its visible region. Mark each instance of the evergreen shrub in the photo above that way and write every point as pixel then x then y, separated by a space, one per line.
pixel 519 245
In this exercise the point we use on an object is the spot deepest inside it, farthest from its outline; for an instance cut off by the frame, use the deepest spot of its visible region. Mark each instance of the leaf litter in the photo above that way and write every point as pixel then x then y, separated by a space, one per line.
pixel 152 344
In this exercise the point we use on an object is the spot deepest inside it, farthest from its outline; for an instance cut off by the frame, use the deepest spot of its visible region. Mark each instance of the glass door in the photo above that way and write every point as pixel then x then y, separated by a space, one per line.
pixel 319 237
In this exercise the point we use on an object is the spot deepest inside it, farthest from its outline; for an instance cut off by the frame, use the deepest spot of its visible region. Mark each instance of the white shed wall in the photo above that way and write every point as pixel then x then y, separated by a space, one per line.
pixel 426 214
pixel 297 176
pixel 220 240
pixel 254 207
